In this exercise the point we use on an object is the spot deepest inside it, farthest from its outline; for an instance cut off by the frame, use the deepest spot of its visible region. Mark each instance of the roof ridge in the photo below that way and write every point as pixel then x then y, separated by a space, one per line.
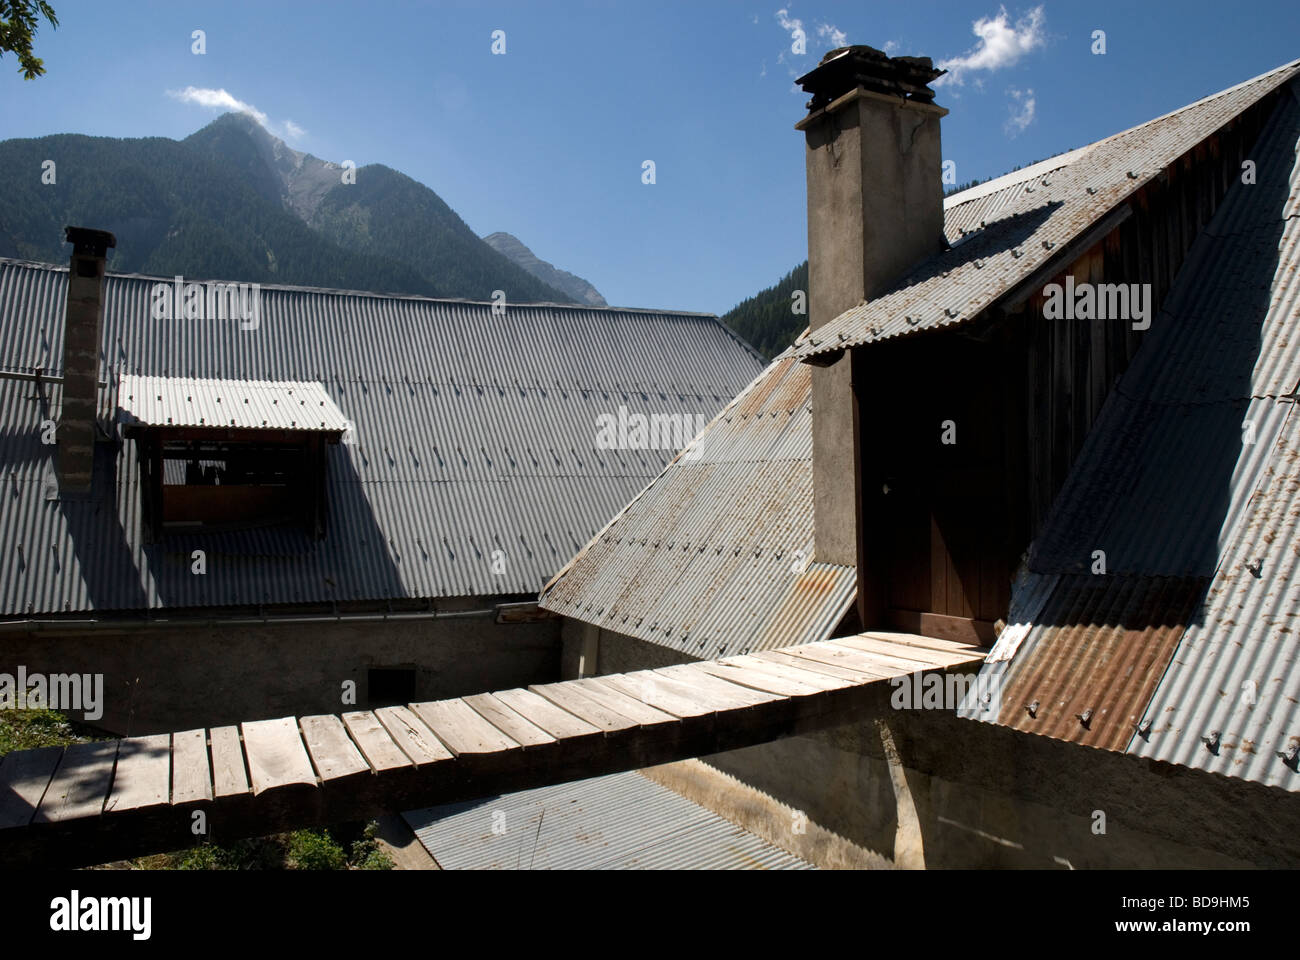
pixel 1012 177
pixel 378 294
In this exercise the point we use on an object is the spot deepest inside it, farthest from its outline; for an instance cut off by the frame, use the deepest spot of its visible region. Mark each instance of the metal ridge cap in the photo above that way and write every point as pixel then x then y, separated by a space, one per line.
pixel 377 294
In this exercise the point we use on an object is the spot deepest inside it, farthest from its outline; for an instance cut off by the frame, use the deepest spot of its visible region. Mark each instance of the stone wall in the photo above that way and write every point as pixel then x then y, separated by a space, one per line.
pixel 160 680
pixel 927 788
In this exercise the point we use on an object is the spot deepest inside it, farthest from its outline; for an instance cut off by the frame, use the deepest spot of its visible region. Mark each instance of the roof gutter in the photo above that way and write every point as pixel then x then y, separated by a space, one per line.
pixel 157 623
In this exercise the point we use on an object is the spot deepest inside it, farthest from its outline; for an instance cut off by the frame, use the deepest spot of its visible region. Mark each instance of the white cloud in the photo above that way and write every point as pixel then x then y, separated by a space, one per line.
pixel 788 24
pixel 1022 108
pixel 221 99
pixel 217 100
pixel 1000 45
pixel 890 47
pixel 832 33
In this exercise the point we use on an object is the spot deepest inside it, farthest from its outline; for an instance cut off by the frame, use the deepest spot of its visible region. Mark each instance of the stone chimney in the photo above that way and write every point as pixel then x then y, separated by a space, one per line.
pixel 81 335
pixel 875 210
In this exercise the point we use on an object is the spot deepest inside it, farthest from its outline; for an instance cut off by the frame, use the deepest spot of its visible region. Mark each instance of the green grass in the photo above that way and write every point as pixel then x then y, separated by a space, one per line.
pixel 29 729
pixel 346 847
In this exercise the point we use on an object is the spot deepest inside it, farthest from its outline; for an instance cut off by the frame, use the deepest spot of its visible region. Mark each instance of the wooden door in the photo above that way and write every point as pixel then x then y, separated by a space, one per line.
pixel 934 496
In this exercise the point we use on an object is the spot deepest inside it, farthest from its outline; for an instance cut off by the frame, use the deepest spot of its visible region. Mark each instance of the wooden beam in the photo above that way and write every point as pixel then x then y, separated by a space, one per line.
pixel 289 773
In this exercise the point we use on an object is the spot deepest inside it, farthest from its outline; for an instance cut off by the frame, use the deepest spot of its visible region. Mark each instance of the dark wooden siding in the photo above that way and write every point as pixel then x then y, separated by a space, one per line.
pixel 1060 372
pixel 1027 391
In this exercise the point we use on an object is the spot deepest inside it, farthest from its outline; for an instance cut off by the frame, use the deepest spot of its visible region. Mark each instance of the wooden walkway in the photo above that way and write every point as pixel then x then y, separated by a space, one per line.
pixel 95 802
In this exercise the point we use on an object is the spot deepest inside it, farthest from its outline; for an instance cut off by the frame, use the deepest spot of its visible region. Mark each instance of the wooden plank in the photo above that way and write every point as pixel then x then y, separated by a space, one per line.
pixel 332 751
pixel 276 755
pixel 556 721
pixel 892 659
pixel 747 676
pixel 509 722
pixel 865 670
pixel 802 674
pixel 229 776
pixel 621 703
pixel 687 700
pixel 462 729
pixel 80 784
pixel 658 692
pixel 787 656
pixel 929 643
pixel 409 732
pixel 580 703
pixel 191 774
pixel 885 665
pixel 24 775
pixel 375 743
pixel 731 696
pixel 919 655
pixel 143 775
pixel 800 670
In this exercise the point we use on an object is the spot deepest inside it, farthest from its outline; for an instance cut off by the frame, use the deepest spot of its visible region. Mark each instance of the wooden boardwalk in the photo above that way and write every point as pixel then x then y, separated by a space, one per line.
pixel 95 802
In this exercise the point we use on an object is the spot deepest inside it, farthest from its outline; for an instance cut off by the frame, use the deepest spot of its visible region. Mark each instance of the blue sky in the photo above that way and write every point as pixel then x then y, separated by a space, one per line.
pixel 547 141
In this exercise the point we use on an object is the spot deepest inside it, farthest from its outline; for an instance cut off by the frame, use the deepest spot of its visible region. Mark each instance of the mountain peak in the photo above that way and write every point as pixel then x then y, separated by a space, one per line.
pixel 510 246
pixel 280 173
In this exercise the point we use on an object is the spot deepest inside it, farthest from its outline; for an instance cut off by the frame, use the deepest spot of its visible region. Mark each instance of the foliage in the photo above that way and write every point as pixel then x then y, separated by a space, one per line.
pixel 314 850
pixel 767 320
pixel 19 20
pixel 343 847
pixel 29 729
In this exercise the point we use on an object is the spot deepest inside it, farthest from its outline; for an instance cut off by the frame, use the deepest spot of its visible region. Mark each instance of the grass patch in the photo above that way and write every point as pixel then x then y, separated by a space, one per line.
pixel 342 847
pixel 28 729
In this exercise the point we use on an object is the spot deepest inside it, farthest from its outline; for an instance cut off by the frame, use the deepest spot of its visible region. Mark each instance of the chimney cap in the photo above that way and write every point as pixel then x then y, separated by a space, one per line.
pixel 88 242
pixel 847 68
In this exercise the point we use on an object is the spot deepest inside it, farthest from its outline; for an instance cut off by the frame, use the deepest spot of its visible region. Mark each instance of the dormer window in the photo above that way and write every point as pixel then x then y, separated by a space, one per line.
pixel 229 454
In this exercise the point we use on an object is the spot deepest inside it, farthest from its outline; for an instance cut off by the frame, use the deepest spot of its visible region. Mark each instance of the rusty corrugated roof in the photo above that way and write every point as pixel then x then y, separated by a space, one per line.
pixel 1188 648
pixel 1230 699
pixel 1096 651
pixel 712 558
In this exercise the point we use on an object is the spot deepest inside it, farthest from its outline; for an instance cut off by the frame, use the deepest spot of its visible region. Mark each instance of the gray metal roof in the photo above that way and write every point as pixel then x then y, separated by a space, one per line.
pixel 1190 481
pixel 296 405
pixel 619 822
pixel 712 557
pixel 473 433
pixel 1021 225
pixel 1237 668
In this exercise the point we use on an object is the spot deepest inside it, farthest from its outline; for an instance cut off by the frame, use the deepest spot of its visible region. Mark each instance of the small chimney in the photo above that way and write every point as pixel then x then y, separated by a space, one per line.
pixel 875 210
pixel 81 333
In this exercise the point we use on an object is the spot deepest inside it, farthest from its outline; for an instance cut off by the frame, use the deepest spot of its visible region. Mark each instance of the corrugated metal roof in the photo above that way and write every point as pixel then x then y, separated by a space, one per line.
pixel 1096 650
pixel 1192 470
pixel 713 556
pixel 619 822
pixel 1157 487
pixel 473 433
pixel 240 404
pixel 1026 224
pixel 1236 671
